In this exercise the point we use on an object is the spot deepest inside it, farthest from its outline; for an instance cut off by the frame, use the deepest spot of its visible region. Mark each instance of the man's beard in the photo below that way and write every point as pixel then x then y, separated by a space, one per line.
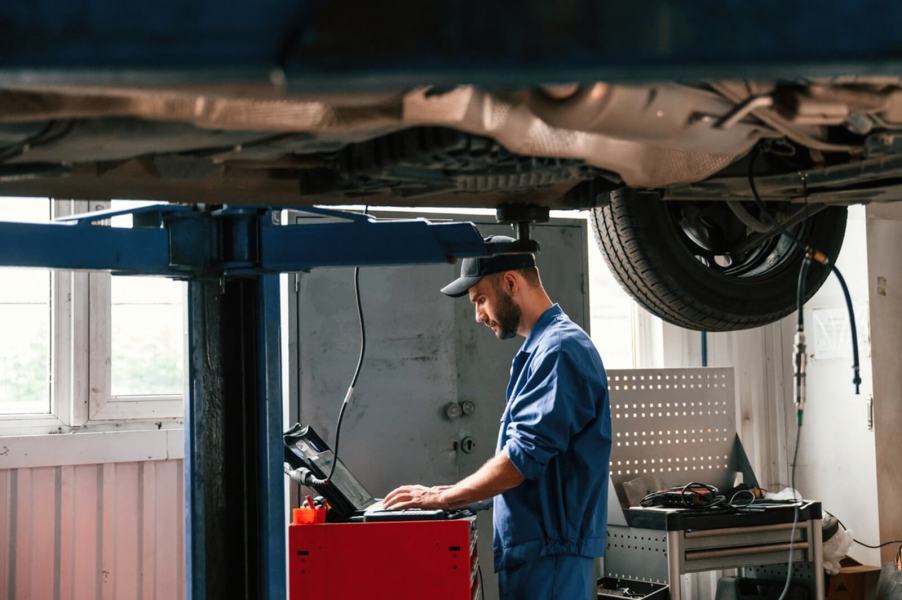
pixel 509 315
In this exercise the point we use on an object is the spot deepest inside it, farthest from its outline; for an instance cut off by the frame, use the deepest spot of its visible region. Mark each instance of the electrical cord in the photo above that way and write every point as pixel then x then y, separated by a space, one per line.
pixel 350 392
pixel 481 581
pixel 688 497
pixel 878 546
pixel 732 501
pixel 305 476
pixel 775 227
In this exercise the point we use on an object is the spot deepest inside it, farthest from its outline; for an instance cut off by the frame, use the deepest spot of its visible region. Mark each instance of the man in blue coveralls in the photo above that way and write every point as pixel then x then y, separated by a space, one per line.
pixel 549 475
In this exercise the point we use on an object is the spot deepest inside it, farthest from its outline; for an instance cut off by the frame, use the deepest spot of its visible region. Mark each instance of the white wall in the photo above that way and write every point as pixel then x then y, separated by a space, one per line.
pixel 885 285
pixel 837 461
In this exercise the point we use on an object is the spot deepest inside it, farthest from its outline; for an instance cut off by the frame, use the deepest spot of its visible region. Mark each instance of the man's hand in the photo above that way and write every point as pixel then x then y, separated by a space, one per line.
pixel 416 496
pixel 496 476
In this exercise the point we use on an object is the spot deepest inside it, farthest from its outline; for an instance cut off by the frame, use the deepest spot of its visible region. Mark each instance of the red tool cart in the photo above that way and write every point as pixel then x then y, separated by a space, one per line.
pixel 392 560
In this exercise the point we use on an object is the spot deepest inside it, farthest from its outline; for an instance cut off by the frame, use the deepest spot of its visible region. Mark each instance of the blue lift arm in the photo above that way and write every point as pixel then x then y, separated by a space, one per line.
pixel 184 243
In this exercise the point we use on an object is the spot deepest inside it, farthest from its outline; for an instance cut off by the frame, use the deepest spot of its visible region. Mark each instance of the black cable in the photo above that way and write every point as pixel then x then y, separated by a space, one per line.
pixel 732 501
pixel 756 151
pixel 856 371
pixel 860 543
pixel 762 206
pixel 889 543
pixel 688 497
pixel 481 581
pixel 341 416
pixel 344 403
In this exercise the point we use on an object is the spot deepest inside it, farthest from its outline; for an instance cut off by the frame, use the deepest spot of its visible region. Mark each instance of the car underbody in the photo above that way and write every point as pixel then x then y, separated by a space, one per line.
pixel 826 141
pixel 739 177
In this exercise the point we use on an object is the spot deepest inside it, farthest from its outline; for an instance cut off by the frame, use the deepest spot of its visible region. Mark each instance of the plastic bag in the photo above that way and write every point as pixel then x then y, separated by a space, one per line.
pixel 786 493
pixel 835 549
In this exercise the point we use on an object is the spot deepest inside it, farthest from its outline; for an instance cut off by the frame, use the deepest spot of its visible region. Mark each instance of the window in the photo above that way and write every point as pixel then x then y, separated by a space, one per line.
pixel 147 348
pixel 612 313
pixel 85 348
pixel 25 323
pixel 138 339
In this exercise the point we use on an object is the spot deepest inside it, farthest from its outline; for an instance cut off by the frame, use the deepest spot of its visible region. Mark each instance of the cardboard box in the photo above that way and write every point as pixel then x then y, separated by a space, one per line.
pixel 854 581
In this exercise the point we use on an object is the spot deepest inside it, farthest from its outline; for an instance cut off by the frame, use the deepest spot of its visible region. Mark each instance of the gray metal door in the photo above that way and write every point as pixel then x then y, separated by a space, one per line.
pixel 424 353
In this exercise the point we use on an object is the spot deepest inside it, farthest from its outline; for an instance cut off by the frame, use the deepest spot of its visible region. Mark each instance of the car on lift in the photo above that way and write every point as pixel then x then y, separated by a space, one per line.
pixel 703 191
pixel 702 196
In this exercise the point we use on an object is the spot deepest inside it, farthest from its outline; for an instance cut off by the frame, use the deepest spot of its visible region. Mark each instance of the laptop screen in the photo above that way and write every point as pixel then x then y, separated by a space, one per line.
pixel 304 448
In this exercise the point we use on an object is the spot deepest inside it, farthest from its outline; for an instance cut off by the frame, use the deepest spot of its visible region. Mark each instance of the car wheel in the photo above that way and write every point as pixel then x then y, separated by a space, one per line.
pixel 684 261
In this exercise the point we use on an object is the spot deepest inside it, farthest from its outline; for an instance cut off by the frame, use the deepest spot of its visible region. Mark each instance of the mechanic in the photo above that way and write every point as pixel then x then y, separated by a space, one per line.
pixel 549 475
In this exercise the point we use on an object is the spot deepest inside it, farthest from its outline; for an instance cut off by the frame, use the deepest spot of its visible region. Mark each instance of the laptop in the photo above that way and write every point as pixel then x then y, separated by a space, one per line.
pixel 349 499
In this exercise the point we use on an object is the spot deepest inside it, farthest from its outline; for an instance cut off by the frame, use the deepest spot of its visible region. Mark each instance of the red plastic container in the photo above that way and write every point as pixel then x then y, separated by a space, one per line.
pixel 309 514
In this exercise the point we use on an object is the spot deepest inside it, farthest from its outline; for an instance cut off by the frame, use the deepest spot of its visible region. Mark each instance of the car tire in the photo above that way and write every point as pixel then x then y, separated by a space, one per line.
pixel 644 247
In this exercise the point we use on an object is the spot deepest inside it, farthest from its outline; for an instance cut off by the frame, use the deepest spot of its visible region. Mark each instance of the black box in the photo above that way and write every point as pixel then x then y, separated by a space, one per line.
pixel 741 588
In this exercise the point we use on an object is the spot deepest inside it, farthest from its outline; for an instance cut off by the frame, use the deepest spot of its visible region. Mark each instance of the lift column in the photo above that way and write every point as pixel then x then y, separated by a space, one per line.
pixel 235 539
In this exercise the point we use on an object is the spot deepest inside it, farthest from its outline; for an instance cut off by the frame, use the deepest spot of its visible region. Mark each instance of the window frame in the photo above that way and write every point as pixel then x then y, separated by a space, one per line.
pixel 80 349
pixel 103 405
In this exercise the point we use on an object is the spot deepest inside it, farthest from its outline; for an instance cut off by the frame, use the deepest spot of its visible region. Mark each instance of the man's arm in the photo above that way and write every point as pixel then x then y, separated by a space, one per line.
pixel 497 475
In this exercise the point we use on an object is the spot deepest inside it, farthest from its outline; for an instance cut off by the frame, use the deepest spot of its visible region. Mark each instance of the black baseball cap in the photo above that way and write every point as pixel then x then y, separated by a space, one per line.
pixel 474 269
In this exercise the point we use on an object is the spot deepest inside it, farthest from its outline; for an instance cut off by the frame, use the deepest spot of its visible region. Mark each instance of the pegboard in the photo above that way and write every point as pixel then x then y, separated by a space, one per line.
pixel 802 571
pixel 678 425
pixel 638 554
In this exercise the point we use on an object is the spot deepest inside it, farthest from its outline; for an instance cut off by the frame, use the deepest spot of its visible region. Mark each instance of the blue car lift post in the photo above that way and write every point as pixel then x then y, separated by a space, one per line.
pixel 231 257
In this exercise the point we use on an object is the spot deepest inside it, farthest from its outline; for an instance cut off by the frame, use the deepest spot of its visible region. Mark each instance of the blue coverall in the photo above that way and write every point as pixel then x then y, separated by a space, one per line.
pixel 556 430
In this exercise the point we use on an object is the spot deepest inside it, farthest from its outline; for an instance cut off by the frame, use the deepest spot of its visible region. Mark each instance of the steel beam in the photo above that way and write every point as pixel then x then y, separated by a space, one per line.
pixel 71 246
pixel 188 244
pixel 302 247
pixel 234 493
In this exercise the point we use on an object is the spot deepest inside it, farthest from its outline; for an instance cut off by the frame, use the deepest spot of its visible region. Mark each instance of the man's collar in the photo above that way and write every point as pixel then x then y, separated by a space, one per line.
pixel 540 326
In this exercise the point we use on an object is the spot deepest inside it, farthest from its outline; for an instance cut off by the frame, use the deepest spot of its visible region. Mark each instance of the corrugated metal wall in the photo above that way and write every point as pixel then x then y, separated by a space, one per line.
pixel 111 531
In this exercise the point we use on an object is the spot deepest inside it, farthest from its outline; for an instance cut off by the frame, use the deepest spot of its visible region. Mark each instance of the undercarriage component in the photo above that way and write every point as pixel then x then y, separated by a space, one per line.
pixel 521 217
pixel 426 161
